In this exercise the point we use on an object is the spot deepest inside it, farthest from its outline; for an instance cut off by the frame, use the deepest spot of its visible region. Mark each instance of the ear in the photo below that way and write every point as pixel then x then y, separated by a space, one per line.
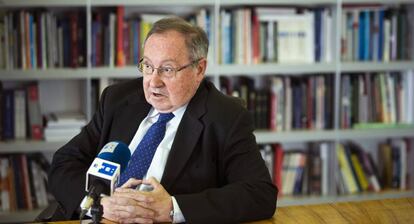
pixel 201 69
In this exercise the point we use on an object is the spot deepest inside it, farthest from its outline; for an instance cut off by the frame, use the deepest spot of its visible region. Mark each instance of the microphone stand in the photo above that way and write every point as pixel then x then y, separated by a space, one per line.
pixel 96 209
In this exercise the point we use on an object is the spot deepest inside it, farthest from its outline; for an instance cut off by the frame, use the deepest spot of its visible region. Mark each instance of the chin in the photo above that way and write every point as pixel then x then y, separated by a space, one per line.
pixel 162 107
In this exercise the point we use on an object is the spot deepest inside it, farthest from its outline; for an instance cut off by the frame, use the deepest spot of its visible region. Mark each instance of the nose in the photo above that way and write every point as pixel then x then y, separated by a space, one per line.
pixel 156 80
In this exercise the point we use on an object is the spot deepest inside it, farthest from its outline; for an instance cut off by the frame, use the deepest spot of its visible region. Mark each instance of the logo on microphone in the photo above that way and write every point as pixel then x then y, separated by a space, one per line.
pixel 109 147
pixel 107 169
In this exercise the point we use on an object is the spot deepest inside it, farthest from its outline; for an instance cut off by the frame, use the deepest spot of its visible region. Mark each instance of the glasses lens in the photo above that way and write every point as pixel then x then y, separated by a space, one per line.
pixel 146 69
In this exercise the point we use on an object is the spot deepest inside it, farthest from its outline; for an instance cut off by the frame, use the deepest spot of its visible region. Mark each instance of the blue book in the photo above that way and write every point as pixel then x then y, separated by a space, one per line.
pixel 226 38
pixel 380 35
pixel 66 43
pixel 318 33
pixel 361 38
pixel 135 41
pixel 31 39
pixel 8 114
pixel 367 33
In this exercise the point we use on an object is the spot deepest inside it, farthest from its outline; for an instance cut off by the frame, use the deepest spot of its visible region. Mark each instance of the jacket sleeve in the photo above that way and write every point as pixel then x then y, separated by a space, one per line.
pixel 70 164
pixel 248 193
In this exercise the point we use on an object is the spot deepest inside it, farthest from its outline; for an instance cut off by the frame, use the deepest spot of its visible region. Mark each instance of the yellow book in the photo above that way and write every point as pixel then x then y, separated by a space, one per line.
pixel 359 172
pixel 345 169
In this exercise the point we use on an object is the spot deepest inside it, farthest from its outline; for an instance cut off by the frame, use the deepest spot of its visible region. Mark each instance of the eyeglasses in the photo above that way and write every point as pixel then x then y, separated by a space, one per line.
pixel 163 71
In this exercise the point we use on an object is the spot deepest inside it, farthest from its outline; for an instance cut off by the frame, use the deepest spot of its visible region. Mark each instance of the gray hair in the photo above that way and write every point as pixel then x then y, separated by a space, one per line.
pixel 195 38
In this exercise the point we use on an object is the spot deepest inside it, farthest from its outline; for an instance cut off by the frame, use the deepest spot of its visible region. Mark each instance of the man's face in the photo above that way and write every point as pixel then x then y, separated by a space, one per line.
pixel 168 50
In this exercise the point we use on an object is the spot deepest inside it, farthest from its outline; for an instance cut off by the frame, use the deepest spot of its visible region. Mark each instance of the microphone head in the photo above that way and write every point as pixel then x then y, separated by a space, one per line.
pixel 117 152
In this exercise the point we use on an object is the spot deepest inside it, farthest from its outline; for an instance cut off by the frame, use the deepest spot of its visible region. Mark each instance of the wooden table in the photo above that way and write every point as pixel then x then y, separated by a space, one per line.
pixel 376 211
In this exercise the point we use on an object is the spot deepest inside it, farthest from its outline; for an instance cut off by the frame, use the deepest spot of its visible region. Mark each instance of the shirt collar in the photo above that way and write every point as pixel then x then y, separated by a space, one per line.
pixel 177 113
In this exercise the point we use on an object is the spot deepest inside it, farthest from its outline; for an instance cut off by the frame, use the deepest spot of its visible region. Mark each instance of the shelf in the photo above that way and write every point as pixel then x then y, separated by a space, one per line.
pixel 307 200
pixel 265 137
pixel 275 2
pixel 274 68
pixel 262 137
pixel 41 3
pixel 364 2
pixel 376 66
pixel 115 72
pixel 226 70
pixel 43 74
pixel 19 216
pixel 151 2
pixel 23 146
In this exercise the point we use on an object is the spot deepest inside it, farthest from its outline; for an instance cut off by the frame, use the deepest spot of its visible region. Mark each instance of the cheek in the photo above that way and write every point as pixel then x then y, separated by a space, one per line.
pixel 180 90
pixel 146 86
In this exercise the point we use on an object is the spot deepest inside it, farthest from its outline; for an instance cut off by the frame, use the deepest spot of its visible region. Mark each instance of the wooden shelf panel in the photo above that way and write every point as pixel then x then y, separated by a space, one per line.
pixel 276 2
pixel 23 146
pixel 274 68
pixel 364 2
pixel 43 74
pixel 376 66
pixel 307 200
pixel 41 3
pixel 264 137
pixel 151 2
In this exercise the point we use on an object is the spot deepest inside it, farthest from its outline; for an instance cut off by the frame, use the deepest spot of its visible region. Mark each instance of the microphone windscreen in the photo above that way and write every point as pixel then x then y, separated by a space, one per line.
pixel 117 152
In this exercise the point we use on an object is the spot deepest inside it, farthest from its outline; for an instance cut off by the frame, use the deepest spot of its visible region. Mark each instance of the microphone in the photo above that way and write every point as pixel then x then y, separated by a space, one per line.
pixel 104 172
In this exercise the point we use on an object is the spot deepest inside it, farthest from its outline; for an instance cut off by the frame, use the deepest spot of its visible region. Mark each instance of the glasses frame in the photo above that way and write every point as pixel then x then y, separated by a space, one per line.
pixel 141 64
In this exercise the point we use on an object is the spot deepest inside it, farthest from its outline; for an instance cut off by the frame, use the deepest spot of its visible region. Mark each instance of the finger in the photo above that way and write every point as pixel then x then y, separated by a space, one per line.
pixel 139 196
pixel 131 183
pixel 126 212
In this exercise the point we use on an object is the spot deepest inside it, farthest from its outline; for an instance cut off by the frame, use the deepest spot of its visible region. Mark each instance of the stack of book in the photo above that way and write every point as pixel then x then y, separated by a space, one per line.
pixel 64 125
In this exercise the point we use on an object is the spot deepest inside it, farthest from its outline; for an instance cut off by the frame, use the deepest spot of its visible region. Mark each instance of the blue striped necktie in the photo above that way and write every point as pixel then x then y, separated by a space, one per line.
pixel 142 157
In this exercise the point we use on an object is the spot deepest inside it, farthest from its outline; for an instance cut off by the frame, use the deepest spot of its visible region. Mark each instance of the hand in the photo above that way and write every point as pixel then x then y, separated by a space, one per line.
pixel 122 208
pixel 157 200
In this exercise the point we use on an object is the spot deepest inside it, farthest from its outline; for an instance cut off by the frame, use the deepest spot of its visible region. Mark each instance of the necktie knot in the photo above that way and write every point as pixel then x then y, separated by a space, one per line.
pixel 165 117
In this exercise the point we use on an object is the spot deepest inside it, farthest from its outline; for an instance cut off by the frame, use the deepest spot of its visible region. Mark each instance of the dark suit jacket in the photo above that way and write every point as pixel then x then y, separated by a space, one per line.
pixel 214 168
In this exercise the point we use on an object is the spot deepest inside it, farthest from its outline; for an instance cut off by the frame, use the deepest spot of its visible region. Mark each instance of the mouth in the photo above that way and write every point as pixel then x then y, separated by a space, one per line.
pixel 157 94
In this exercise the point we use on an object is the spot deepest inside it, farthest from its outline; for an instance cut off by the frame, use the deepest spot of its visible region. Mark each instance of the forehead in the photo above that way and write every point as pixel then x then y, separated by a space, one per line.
pixel 169 45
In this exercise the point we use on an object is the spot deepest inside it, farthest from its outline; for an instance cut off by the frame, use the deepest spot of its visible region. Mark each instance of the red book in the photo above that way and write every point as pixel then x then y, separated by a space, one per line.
pixel 74 40
pixel 256 38
pixel 120 55
pixel 35 116
pixel 277 167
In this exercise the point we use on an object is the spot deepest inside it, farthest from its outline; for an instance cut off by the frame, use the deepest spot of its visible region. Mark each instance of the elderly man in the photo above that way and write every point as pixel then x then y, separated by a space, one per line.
pixel 204 165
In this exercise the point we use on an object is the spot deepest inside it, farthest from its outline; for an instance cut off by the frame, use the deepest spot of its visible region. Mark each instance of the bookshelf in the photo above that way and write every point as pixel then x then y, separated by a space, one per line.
pixel 335 68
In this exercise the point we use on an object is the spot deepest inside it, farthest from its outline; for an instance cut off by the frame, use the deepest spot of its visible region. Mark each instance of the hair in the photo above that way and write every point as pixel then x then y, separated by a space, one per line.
pixel 195 38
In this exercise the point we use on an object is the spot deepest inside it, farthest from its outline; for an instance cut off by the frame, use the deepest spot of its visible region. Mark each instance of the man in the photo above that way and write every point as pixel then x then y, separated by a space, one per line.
pixel 206 169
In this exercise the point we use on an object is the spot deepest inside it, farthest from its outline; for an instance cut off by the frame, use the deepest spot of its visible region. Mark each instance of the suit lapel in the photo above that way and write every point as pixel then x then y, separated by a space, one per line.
pixel 186 138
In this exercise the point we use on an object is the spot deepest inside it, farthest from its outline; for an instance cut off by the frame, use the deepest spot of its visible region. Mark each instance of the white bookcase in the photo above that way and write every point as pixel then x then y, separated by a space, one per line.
pixel 83 78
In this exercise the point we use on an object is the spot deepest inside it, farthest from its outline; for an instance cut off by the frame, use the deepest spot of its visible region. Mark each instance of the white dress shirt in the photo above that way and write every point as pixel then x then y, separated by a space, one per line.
pixel 159 161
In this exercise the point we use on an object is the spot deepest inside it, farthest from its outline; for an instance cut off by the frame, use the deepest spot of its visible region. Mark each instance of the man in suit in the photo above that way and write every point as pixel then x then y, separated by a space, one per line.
pixel 206 169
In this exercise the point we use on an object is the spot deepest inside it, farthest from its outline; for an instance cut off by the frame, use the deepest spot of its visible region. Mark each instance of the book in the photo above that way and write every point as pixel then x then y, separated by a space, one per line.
pixel 35 121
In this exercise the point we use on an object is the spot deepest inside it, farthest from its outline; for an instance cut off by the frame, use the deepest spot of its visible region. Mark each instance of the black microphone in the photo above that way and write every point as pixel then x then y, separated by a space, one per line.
pixel 104 172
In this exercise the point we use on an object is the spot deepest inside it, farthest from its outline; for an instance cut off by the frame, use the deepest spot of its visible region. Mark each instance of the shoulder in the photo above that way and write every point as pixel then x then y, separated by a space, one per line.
pixel 223 108
pixel 123 90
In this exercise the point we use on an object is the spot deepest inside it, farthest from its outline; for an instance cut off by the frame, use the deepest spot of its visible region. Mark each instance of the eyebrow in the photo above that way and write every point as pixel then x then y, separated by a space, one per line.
pixel 162 62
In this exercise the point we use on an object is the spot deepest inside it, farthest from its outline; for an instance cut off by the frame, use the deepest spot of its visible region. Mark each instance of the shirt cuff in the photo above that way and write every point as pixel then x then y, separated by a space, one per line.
pixel 178 215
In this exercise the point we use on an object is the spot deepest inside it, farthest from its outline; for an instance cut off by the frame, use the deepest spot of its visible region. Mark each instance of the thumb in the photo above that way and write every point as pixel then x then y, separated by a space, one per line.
pixel 153 182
